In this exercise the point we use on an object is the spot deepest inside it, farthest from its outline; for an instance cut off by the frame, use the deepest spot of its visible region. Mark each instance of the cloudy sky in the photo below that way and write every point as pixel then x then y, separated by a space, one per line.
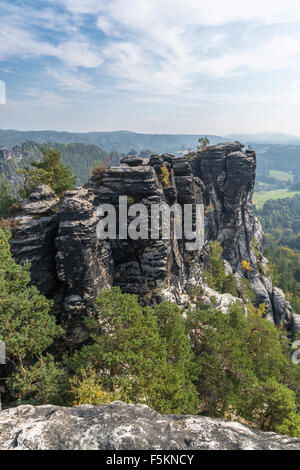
pixel 190 66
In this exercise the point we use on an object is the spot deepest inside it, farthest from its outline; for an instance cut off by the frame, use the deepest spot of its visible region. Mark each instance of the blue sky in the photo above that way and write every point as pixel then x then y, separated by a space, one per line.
pixel 188 66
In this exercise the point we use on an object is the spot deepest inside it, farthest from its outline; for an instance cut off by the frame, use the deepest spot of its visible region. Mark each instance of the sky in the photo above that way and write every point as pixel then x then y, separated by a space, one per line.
pixel 154 66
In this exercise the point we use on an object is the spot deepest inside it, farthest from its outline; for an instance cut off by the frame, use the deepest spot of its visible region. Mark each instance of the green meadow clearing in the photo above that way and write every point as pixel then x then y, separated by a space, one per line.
pixel 263 196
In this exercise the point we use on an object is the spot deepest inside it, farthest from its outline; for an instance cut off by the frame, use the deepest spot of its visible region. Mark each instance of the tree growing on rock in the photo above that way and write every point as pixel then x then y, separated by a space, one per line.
pixel 203 144
pixel 50 171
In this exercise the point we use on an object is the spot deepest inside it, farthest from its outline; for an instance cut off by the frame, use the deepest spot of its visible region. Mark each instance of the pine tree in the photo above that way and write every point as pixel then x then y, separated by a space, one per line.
pixel 203 144
pixel 27 330
pixel 183 366
pixel 49 171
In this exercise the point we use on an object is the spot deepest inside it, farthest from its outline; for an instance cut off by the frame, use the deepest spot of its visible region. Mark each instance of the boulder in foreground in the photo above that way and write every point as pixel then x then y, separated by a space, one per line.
pixel 120 426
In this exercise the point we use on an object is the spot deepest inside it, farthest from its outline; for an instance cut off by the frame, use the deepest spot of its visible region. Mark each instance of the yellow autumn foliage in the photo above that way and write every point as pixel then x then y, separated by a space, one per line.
pixel 87 389
pixel 246 265
pixel 165 175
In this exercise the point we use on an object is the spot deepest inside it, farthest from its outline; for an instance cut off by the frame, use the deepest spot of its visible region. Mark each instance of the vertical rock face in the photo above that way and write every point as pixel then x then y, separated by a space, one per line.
pixel 84 264
pixel 70 264
pixel 34 237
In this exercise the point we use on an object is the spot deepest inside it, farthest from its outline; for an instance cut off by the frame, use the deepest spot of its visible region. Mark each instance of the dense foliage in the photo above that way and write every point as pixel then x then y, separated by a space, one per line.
pixel 281 222
pixel 142 354
pixel 79 157
pixel 27 330
pixel 219 280
pixel 285 272
pixel 245 371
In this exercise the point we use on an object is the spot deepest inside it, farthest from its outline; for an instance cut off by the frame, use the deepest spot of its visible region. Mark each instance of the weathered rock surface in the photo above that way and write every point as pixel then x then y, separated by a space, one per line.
pixel 222 301
pixel 34 237
pixel 119 426
pixel 83 263
pixel 76 266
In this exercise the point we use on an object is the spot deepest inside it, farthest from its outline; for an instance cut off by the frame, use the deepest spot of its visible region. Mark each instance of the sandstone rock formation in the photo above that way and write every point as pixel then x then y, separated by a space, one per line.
pixel 70 264
pixel 34 237
pixel 83 263
pixel 119 426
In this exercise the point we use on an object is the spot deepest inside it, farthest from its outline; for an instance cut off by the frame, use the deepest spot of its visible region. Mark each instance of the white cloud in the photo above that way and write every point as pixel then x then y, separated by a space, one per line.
pixel 275 53
pixel 141 13
pixel 160 47
pixel 35 98
pixel 78 54
pixel 22 34
pixel 19 42
pixel 168 48
pixel 73 81
pixel 157 46
pixel 106 26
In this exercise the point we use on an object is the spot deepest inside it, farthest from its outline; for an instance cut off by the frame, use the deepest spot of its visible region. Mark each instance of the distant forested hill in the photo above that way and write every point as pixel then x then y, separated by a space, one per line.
pixel 281 221
pixel 121 141
pixel 278 157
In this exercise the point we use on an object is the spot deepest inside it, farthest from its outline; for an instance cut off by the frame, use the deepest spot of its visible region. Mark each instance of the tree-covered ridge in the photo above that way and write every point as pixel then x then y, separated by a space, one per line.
pixel 280 220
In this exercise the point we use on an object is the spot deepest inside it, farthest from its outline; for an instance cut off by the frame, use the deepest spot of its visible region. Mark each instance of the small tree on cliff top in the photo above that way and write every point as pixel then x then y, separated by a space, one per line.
pixel 203 143
pixel 50 171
